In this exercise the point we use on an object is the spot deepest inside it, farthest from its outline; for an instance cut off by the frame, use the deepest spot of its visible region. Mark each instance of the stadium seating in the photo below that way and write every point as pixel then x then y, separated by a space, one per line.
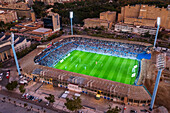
pixel 58 50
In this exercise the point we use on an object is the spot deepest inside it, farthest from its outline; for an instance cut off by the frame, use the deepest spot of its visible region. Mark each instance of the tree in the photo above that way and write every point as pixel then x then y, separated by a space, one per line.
pixel 113 110
pixel 146 34
pixel 2 25
pixel 73 104
pixel 50 98
pixel 25 104
pixel 12 85
pixel 21 89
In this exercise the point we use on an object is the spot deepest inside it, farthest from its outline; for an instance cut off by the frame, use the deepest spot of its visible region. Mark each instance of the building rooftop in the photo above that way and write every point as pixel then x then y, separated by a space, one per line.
pixel 21 39
pixel 97 20
pixel 42 30
pixel 4 48
pixel 7 37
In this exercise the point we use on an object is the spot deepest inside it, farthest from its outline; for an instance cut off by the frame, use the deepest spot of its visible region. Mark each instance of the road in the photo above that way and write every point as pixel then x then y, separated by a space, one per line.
pixel 17 97
pixel 4 108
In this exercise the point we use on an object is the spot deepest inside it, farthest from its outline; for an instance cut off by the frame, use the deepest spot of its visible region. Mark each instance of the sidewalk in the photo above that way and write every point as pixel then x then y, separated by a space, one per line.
pixel 17 98
pixel 21 103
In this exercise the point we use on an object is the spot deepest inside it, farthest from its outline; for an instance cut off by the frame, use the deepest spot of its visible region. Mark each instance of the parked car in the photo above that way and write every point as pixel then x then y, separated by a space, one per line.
pixel 23 82
pixel 23 95
pixel 36 98
pixel 28 79
pixel 47 103
pixel 39 100
pixel 27 96
pixel 31 97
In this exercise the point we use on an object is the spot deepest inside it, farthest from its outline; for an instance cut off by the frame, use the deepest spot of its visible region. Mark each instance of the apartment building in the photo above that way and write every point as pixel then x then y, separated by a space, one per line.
pixel 144 15
pixel 135 29
pixel 106 20
pixel 8 16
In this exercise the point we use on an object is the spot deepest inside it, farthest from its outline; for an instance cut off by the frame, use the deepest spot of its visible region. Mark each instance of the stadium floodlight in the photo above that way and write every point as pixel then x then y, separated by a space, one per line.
pixel 158 21
pixel 160 65
pixel 71 17
pixel 15 56
pixel 158 24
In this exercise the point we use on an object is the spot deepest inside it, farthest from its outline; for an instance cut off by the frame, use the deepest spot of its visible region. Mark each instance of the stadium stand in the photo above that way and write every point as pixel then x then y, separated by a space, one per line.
pixel 52 55
pixel 110 90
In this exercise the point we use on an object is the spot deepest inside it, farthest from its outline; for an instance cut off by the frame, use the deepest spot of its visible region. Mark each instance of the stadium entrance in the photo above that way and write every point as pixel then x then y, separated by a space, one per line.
pixel 75 88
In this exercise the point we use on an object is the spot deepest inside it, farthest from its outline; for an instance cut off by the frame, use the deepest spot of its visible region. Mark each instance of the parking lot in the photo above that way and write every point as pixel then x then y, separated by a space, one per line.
pixel 4 77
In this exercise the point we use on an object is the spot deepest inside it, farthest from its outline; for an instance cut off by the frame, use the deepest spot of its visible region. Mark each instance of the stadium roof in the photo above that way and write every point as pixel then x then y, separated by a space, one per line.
pixel 4 48
pixel 37 71
pixel 131 91
pixel 21 39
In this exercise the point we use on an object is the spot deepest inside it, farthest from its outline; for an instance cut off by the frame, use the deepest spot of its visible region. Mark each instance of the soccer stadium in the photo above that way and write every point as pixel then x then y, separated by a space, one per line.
pixel 103 59
pixel 110 68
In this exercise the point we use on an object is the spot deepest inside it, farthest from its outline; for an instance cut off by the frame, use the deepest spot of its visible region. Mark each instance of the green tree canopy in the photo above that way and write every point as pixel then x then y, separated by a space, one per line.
pixel 113 110
pixel 12 85
pixel 73 104
pixel 50 98
pixel 21 89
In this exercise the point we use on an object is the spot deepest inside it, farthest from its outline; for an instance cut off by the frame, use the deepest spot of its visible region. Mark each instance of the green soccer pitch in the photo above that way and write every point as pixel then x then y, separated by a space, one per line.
pixel 102 66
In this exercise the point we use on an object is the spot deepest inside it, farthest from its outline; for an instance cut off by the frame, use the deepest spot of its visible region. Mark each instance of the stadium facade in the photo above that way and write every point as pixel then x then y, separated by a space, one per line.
pixel 129 94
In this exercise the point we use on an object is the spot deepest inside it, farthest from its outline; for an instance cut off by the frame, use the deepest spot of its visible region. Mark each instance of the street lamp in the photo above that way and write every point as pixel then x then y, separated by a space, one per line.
pixel 15 56
pixel 71 17
pixel 160 65
pixel 158 24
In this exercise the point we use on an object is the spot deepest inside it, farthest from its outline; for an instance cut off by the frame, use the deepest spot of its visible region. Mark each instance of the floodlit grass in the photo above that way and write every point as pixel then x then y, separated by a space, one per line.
pixel 98 65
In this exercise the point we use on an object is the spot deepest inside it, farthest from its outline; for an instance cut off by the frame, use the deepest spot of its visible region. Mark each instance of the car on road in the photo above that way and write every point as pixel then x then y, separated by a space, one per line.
pixel 133 111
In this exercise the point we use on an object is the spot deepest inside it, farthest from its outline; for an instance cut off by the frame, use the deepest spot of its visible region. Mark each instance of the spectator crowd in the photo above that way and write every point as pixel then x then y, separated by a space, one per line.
pixel 52 55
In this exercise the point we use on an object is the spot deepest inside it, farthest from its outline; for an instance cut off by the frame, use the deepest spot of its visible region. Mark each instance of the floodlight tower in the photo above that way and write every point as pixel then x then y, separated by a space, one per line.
pixel 71 17
pixel 158 24
pixel 160 66
pixel 15 56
